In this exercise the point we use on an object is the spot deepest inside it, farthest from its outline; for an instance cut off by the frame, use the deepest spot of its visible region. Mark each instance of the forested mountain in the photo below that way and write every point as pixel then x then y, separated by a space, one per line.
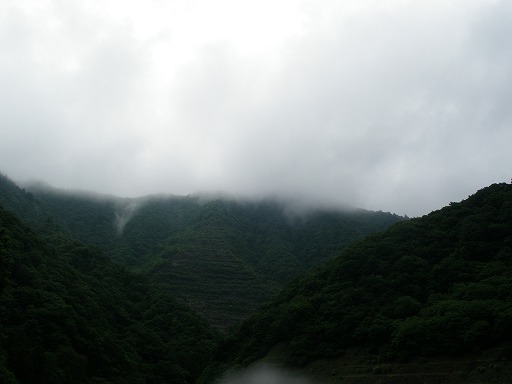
pixel 71 315
pixel 88 294
pixel 223 257
pixel 230 257
pixel 440 285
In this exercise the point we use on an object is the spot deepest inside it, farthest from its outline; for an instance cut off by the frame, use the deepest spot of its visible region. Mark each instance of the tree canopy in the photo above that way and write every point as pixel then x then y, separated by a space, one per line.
pixel 436 285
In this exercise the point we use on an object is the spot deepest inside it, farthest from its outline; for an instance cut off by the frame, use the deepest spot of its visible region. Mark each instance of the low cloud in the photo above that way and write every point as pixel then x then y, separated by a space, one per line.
pixel 385 105
pixel 125 210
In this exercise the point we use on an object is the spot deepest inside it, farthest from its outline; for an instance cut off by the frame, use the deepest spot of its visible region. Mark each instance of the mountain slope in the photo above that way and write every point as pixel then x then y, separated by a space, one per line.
pixel 21 202
pixel 70 315
pixel 440 285
pixel 231 257
pixel 224 258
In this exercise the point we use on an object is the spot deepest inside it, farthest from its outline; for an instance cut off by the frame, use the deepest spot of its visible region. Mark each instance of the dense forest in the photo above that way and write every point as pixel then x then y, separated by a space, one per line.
pixel 91 292
pixel 100 289
pixel 70 315
pixel 223 257
pixel 440 285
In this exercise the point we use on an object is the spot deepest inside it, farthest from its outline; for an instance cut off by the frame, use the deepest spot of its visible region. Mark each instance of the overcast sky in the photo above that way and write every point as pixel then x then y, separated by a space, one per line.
pixel 390 105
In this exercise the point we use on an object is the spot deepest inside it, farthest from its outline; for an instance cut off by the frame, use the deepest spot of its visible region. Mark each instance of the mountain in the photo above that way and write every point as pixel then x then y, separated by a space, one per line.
pixel 98 289
pixel 230 257
pixel 436 287
pixel 222 257
pixel 71 315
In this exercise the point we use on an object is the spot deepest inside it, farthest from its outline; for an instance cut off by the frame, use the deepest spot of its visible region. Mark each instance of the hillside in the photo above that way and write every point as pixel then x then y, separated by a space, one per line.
pixel 230 257
pixel 427 300
pixel 222 257
pixel 68 314
pixel 438 287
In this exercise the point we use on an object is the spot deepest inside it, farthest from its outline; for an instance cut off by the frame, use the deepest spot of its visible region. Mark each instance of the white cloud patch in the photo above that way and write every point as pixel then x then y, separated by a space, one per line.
pixel 392 105
pixel 125 210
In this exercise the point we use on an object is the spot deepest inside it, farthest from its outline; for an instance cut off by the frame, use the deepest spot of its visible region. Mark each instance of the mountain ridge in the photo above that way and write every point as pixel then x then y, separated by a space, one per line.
pixel 223 257
pixel 431 293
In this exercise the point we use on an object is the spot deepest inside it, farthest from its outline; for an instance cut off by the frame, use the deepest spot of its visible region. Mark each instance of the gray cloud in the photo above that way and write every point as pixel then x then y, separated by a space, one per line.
pixel 397 106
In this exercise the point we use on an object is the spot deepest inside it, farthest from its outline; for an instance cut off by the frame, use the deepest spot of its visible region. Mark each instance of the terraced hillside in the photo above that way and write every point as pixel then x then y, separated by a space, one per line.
pixel 436 287
pixel 223 257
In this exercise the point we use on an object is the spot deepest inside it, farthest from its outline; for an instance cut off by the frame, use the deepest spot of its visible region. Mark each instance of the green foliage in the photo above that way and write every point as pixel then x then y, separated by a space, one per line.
pixel 19 201
pixel 224 258
pixel 436 285
pixel 248 249
pixel 71 315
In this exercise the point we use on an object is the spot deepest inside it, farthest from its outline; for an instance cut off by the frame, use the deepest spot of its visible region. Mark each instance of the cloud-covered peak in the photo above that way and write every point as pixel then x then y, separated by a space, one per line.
pixel 392 105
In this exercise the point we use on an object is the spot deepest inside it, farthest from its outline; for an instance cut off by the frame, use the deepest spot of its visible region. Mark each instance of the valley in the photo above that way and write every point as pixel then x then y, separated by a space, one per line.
pixel 222 257
pixel 182 289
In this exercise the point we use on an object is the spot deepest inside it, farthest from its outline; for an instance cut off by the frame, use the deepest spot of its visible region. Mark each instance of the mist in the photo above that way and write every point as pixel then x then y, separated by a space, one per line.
pixel 382 105
pixel 125 210
pixel 265 375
